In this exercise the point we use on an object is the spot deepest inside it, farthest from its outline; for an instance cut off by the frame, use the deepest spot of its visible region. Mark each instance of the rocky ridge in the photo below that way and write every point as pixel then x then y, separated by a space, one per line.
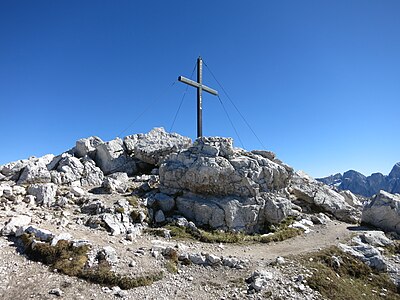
pixel 115 193
pixel 366 185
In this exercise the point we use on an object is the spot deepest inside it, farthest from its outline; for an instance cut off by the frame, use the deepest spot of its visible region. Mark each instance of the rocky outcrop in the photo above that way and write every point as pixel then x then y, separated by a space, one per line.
pixel 87 146
pixel 366 185
pixel 212 167
pixel 313 196
pixel 233 213
pixel 383 211
pixel 111 157
pixel 210 182
pixel 154 146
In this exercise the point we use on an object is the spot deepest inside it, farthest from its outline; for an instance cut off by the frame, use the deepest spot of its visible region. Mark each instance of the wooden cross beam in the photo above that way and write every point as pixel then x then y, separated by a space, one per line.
pixel 200 87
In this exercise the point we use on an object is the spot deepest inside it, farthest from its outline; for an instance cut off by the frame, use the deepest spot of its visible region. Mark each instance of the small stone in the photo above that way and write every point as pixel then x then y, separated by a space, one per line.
pixel 280 260
pixel 132 263
pixel 56 292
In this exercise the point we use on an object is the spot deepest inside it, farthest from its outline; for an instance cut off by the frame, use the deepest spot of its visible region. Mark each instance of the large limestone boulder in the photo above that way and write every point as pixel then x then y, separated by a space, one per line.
pixel 234 213
pixel 152 147
pixel 45 193
pixel 314 195
pixel 87 146
pixel 111 157
pixel 212 167
pixel 383 212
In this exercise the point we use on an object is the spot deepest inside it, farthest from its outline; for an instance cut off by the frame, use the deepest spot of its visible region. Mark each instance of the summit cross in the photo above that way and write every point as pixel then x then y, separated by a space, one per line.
pixel 200 87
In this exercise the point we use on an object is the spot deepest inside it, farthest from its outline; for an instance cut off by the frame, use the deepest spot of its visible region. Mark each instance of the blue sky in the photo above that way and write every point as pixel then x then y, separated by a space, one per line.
pixel 318 81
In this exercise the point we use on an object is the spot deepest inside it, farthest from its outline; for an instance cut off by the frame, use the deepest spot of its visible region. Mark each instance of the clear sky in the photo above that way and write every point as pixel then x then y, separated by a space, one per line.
pixel 318 81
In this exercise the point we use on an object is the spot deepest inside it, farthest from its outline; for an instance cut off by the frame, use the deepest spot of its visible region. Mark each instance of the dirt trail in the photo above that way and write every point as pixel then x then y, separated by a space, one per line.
pixel 321 236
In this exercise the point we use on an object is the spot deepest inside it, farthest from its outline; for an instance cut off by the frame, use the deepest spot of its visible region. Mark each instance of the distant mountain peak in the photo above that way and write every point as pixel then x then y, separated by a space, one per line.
pixel 363 185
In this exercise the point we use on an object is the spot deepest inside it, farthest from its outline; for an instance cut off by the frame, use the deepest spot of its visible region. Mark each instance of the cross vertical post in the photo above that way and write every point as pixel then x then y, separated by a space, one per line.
pixel 199 100
pixel 200 87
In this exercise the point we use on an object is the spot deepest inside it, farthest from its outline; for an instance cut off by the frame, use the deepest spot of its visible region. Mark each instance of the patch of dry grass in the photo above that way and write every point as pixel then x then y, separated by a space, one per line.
pixel 349 279
pixel 72 261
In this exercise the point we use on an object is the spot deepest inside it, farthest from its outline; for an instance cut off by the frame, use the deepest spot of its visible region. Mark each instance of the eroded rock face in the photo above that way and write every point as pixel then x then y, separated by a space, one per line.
pixel 87 146
pixel 383 212
pixel 320 197
pixel 111 157
pixel 152 147
pixel 212 167
pixel 32 170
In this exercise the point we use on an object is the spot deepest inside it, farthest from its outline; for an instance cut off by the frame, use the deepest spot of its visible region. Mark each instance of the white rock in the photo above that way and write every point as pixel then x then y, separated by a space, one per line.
pixel 310 192
pixel 383 211
pixel 113 185
pixel 77 191
pixel 154 146
pixel 44 193
pixel 376 238
pixel 87 146
pixel 197 259
pixel 351 199
pixel 14 223
pixel 41 234
pixel 18 190
pixel 109 254
pixel 62 236
pixel 213 259
pixel 111 157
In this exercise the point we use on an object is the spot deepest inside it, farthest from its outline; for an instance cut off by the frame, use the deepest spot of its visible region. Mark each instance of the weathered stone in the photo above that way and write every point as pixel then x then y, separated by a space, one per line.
pixel 383 211
pixel 18 190
pixel 366 253
pixel 113 185
pixel 87 146
pixel 351 199
pixel 93 207
pixel 13 170
pixel 77 191
pixel 154 146
pixel 164 202
pixel 92 175
pixel 212 167
pixel 115 226
pixel 213 260
pixel 376 239
pixel 197 259
pixel 41 234
pixel 308 191
pixel 108 254
pixel 34 173
pixel 111 157
pixel 6 190
pixel 277 209
pixel 61 237
pixel 14 223
pixel 44 193
pixel 29 199
pixel 70 170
